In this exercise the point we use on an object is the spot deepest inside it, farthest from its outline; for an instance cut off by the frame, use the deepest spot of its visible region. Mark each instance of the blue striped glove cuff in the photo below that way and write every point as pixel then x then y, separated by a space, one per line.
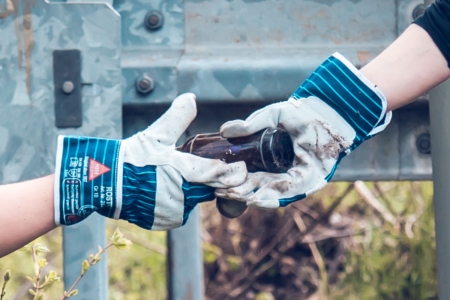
pixel 91 177
pixel 139 205
pixel 358 101
pixel 328 116
pixel 86 178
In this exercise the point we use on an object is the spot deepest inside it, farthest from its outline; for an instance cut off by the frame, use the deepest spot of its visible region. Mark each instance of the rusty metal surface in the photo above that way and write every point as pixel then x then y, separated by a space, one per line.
pixel 135 35
pixel 28 37
pixel 276 24
pixel 253 50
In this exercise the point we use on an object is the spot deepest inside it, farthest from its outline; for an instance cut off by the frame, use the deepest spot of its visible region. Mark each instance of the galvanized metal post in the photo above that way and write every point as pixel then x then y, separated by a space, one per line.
pixel 185 261
pixel 440 151
pixel 79 241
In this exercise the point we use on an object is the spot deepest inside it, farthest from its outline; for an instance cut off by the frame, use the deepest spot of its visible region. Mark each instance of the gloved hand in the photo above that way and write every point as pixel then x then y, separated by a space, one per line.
pixel 142 179
pixel 327 117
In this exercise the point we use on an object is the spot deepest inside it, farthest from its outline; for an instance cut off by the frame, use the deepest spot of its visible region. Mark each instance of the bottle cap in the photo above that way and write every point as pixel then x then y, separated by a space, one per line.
pixel 277 151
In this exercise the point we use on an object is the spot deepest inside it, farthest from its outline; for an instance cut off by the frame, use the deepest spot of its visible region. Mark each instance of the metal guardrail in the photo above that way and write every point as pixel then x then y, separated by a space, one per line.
pixel 439 112
pixel 236 56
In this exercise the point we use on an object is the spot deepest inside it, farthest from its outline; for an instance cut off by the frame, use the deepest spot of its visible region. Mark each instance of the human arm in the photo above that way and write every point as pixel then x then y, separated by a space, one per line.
pixel 408 68
pixel 420 57
pixel 26 212
pixel 412 65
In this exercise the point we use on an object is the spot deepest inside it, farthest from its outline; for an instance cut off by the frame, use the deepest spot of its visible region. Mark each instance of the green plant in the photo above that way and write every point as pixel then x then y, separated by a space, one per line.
pixel 141 274
pixel 117 240
pixel 39 265
pixel 6 278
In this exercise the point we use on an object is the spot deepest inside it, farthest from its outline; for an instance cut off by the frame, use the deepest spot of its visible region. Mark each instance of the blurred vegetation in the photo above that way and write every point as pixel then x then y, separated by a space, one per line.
pixel 337 244
pixel 349 241
pixel 392 261
pixel 135 274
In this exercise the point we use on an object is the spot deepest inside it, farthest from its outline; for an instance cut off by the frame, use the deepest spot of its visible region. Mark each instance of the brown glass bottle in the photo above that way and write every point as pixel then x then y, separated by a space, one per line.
pixel 269 150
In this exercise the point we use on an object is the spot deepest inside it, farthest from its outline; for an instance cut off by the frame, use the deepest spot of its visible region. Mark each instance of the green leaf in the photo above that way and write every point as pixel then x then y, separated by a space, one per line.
pixel 122 243
pixel 116 235
pixel 41 249
pixel 53 276
pixel 72 293
pixel 119 241
pixel 233 261
pixel 7 275
pixel 265 296
pixel 42 262
pixel 96 260
pixel 32 292
pixel 211 253
pixel 39 297
pixel 84 266
pixel 26 248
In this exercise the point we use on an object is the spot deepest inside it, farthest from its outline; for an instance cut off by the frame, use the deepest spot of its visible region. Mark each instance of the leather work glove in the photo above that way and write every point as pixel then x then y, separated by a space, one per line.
pixel 142 179
pixel 328 116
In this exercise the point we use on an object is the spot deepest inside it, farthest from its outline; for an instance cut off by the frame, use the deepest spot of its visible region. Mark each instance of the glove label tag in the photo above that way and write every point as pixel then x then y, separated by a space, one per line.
pixel 86 179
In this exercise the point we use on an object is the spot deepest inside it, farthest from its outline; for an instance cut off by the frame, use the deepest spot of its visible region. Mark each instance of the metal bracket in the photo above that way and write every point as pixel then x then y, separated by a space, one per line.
pixel 67 81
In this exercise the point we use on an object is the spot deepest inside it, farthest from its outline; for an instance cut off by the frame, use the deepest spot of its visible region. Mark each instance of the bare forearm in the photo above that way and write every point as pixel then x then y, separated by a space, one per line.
pixel 26 212
pixel 409 67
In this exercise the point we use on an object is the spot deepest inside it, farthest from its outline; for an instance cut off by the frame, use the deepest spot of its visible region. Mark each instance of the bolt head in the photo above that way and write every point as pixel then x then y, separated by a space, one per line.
pixel 145 84
pixel 423 143
pixel 154 20
pixel 68 87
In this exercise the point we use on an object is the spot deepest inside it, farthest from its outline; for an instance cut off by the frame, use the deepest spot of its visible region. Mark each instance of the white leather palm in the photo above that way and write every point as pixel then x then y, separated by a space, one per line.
pixel 319 135
pixel 155 147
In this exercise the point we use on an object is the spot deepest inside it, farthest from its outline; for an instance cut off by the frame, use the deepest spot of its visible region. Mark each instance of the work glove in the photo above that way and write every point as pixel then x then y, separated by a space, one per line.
pixel 328 116
pixel 142 179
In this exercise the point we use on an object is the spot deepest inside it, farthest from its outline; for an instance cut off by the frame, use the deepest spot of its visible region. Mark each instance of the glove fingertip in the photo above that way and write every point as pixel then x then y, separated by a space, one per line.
pixel 191 95
pixel 187 103
pixel 233 129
